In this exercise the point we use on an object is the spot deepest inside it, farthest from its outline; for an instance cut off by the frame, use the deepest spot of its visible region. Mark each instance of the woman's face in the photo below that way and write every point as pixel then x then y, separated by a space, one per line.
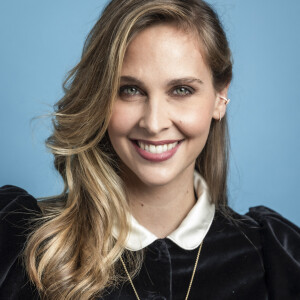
pixel 161 118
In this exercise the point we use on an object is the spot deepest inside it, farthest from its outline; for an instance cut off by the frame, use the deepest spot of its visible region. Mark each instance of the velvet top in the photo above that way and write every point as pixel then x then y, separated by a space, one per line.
pixel 256 256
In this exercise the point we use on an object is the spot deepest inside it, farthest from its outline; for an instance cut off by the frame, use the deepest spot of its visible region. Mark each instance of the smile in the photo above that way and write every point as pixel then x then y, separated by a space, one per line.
pixel 156 151
pixel 156 148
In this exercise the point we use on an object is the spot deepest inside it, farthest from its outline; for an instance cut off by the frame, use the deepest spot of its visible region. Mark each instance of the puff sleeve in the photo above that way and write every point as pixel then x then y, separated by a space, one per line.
pixel 17 208
pixel 281 253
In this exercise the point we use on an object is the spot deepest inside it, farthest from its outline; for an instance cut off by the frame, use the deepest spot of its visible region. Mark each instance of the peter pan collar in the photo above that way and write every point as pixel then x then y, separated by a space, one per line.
pixel 190 232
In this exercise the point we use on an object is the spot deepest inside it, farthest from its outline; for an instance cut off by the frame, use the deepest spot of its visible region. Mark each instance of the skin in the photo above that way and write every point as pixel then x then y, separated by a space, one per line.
pixel 166 93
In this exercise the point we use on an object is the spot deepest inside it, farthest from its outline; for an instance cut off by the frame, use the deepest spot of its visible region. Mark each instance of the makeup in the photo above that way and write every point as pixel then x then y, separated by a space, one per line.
pixel 156 151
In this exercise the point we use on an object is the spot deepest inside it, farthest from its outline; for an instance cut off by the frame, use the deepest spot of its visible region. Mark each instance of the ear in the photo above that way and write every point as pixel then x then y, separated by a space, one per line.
pixel 221 103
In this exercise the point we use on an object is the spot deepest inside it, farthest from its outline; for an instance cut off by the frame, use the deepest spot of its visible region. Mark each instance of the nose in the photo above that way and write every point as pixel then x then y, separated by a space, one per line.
pixel 156 117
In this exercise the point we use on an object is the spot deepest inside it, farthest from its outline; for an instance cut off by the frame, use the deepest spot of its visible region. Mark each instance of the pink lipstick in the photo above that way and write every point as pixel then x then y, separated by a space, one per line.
pixel 167 148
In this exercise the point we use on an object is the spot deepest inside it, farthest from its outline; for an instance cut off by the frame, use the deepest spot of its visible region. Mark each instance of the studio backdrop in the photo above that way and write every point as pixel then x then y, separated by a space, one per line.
pixel 42 40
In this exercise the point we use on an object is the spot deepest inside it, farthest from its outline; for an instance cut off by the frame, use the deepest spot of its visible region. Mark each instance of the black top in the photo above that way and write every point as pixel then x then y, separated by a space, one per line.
pixel 255 257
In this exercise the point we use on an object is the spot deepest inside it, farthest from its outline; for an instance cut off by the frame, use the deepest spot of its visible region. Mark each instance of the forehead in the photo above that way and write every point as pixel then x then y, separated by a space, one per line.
pixel 165 48
pixel 165 32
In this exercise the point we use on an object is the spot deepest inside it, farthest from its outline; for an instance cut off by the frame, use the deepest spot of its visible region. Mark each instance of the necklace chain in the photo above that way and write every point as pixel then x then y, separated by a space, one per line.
pixel 191 281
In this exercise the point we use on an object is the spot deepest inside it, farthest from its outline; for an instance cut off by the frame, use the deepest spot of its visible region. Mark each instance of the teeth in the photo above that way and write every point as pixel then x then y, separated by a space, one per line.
pixel 156 149
pixel 152 149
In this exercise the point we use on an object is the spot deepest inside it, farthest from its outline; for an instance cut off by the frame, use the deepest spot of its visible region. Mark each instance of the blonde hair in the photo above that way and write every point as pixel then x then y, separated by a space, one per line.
pixel 71 253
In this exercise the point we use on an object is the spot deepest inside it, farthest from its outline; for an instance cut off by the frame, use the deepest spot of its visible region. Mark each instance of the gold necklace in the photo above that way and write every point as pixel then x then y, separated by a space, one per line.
pixel 190 285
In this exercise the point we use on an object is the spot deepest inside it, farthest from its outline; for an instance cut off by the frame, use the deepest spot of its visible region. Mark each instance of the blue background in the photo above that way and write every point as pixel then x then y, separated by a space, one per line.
pixel 42 40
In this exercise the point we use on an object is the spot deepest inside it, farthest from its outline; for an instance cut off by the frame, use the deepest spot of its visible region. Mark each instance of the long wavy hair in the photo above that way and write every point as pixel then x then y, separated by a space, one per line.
pixel 71 253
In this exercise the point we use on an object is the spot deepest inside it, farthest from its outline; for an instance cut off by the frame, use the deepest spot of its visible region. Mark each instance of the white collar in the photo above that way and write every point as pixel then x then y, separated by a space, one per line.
pixel 190 232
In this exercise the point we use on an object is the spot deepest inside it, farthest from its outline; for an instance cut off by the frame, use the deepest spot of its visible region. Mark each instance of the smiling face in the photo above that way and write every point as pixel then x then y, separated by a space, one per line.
pixel 161 118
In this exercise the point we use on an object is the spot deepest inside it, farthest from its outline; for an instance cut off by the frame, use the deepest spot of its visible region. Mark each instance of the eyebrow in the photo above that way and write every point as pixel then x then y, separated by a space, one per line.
pixel 177 81
pixel 131 80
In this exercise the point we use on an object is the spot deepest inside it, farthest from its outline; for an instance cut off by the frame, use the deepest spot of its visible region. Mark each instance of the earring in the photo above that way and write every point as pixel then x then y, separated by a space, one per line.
pixel 225 99
pixel 226 102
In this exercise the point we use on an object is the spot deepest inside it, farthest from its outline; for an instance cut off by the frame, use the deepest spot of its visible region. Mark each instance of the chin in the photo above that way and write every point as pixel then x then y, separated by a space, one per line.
pixel 158 177
pixel 155 182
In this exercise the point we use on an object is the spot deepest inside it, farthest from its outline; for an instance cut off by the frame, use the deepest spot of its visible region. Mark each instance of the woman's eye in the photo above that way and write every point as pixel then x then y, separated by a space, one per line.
pixel 182 91
pixel 129 91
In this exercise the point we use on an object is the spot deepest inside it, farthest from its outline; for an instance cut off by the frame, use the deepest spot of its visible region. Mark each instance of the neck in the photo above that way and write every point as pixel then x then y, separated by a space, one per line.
pixel 161 209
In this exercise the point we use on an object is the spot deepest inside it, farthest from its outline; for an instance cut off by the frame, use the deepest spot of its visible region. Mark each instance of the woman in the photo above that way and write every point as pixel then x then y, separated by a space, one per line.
pixel 140 139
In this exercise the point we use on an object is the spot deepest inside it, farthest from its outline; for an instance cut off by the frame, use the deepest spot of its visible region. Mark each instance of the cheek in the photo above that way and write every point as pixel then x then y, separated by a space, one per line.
pixel 121 122
pixel 196 123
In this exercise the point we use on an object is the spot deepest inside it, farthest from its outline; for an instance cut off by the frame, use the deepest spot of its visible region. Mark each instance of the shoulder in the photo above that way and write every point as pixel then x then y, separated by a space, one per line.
pixel 268 222
pixel 17 209
pixel 280 240
pixel 275 229
pixel 17 212
pixel 265 215
pixel 13 197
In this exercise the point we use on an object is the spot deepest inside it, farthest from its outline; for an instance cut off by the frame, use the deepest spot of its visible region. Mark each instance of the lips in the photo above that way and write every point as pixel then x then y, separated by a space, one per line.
pixel 156 151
